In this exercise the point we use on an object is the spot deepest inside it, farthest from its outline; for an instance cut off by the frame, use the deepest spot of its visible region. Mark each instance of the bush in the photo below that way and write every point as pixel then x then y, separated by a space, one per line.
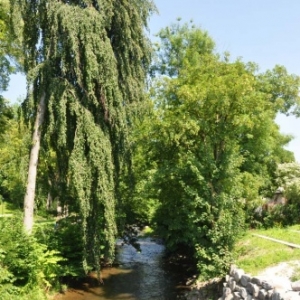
pixel 214 252
pixel 25 264
pixel 64 236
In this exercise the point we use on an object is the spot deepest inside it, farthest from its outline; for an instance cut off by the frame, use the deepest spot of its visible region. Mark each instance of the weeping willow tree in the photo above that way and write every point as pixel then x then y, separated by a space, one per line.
pixel 86 63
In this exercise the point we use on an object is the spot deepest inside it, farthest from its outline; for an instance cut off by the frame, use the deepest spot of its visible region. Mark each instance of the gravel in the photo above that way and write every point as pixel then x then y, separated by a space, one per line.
pixel 280 276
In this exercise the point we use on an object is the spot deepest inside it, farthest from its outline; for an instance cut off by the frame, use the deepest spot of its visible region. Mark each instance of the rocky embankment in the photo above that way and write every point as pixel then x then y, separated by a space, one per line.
pixel 271 284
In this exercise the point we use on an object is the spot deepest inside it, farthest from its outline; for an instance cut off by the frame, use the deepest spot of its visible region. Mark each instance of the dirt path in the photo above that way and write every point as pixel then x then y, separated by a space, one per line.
pixel 280 276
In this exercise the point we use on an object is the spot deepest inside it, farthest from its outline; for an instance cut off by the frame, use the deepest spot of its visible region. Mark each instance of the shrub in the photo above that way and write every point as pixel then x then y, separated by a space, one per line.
pixel 64 236
pixel 25 264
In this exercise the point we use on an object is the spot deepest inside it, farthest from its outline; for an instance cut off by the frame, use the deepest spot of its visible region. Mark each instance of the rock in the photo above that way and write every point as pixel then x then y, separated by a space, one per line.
pixel 269 294
pixel 262 294
pixel 229 297
pixel 296 285
pixel 275 296
pixel 245 279
pixel 237 274
pixel 232 285
pixel 232 269
pixel 238 288
pixel 244 293
pixel 253 289
pixel 239 285
pixel 237 296
pixel 266 285
pixel 256 280
pixel 230 279
pixel 226 291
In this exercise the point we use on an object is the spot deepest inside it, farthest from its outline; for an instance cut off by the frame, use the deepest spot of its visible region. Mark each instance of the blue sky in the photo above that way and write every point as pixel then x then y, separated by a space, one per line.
pixel 262 31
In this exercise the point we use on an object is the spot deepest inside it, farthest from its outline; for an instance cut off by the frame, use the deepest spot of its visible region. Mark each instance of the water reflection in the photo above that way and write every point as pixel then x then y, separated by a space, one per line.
pixel 140 276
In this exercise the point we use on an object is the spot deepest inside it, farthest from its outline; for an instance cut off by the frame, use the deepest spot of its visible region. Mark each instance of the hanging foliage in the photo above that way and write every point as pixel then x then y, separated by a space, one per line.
pixel 89 59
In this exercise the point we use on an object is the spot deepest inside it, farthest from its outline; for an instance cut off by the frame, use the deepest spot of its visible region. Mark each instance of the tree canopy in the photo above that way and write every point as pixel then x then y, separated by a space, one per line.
pixel 214 141
pixel 5 67
pixel 191 154
pixel 88 60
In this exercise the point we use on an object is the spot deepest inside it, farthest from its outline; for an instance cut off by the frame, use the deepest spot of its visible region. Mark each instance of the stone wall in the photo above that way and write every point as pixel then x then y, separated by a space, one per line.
pixel 239 285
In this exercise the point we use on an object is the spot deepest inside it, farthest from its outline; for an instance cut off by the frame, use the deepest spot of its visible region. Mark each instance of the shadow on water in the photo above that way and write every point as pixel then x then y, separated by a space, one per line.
pixel 139 276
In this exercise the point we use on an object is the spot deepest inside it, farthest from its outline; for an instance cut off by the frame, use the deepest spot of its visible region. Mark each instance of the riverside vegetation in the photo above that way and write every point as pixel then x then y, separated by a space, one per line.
pixel 115 130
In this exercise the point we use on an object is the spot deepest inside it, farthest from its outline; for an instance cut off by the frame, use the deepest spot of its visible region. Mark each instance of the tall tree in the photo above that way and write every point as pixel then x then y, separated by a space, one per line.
pixel 86 63
pixel 14 145
pixel 5 114
pixel 10 55
pixel 6 67
pixel 215 134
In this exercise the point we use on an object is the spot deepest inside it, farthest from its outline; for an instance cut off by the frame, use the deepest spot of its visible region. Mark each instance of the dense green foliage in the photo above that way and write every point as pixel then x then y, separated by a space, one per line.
pixel 193 158
pixel 287 178
pixel 63 236
pixel 6 114
pixel 27 267
pixel 213 143
pixel 10 148
pixel 14 146
pixel 5 65
pixel 89 59
pixel 10 52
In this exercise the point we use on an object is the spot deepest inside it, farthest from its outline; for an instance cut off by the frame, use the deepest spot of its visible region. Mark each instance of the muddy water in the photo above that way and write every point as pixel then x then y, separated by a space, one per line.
pixel 139 276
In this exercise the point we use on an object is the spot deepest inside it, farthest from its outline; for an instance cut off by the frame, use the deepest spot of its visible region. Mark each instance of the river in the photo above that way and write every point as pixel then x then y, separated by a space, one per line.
pixel 138 276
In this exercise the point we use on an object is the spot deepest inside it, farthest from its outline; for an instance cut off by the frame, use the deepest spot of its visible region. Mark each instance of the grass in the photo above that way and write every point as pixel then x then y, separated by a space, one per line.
pixel 5 208
pixel 289 234
pixel 296 274
pixel 253 254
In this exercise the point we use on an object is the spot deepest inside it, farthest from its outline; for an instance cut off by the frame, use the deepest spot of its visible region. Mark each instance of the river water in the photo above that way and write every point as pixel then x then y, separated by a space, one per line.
pixel 139 276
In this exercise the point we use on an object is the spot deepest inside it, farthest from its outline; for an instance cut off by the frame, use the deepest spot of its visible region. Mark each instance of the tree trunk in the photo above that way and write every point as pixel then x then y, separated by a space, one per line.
pixel 49 201
pixel 49 198
pixel 33 162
